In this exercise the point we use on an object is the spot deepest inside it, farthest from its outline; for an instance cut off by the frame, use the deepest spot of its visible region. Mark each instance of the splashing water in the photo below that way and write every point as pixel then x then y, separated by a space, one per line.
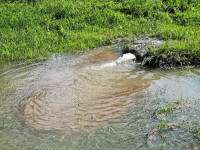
pixel 125 58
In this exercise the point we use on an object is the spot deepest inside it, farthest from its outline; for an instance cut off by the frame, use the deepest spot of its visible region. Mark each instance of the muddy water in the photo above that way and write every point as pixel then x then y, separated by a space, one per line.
pixel 92 94
pixel 89 101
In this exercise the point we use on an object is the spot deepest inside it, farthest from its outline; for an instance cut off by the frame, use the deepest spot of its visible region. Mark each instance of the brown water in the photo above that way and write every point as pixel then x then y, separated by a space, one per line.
pixel 89 101
pixel 90 96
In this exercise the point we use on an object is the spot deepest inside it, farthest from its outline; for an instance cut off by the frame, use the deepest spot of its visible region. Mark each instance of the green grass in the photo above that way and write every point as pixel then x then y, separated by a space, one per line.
pixel 34 29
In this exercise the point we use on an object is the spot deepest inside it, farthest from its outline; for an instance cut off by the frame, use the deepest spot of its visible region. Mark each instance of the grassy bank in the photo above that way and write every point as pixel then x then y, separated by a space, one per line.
pixel 32 29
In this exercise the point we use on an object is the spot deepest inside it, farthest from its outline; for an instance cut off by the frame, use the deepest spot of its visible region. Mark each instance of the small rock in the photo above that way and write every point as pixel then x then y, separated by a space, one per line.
pixel 173 126
pixel 139 47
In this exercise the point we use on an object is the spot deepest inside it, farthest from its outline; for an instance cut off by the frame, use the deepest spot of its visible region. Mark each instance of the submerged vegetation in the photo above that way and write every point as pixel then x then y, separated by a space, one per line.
pixel 32 29
pixel 177 121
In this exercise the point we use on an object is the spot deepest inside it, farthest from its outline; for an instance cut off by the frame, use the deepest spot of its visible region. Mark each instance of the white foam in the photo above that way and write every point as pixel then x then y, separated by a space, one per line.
pixel 125 58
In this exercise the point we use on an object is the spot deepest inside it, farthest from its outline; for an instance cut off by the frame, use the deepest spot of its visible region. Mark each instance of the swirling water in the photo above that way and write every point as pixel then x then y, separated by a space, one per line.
pixel 85 102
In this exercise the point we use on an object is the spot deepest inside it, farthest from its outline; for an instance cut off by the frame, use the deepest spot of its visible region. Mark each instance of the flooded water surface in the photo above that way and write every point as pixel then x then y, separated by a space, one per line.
pixel 94 100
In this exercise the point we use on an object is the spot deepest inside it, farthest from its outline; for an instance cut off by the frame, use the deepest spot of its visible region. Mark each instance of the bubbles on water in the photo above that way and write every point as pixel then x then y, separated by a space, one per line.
pixel 124 59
